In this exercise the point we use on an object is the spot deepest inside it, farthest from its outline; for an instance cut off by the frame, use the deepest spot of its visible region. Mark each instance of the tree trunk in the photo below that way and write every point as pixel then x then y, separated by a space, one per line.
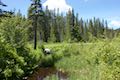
pixel 35 33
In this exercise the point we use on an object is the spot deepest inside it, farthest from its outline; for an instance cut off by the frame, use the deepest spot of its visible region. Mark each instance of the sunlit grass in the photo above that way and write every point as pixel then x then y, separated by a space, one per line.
pixel 89 61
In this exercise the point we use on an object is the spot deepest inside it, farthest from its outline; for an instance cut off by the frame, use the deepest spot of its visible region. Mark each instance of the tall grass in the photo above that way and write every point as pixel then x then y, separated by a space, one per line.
pixel 90 61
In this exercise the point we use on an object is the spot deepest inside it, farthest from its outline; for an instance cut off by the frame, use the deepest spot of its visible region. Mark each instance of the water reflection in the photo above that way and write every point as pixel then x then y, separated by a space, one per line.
pixel 42 73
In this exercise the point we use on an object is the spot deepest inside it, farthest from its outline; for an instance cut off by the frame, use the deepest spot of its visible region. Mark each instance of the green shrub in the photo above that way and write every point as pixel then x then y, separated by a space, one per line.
pixel 17 59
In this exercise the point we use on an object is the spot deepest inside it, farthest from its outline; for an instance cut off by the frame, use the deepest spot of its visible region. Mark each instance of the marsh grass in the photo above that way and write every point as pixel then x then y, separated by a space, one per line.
pixel 89 61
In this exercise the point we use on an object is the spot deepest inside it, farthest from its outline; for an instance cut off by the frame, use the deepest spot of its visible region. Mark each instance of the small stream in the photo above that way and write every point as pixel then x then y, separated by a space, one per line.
pixel 42 73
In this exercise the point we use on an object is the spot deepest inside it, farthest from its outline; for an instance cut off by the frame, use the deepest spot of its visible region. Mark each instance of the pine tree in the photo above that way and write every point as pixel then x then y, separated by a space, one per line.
pixel 72 26
pixel 106 30
pixel 35 12
pixel 81 28
pixel 46 26
pixel 85 38
pixel 52 37
pixel 68 27
pixel 52 34
pixel 95 24
pixel 62 26
pixel 91 27
pixel 57 32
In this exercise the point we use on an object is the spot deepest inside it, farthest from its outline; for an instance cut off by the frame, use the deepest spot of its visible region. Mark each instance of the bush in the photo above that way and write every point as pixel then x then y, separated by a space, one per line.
pixel 109 61
pixel 17 59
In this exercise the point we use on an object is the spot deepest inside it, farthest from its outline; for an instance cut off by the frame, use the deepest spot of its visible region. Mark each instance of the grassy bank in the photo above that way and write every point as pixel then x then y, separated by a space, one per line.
pixel 89 61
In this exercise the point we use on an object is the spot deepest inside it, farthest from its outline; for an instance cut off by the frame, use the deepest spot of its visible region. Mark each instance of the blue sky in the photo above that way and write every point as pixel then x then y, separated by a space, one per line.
pixel 103 9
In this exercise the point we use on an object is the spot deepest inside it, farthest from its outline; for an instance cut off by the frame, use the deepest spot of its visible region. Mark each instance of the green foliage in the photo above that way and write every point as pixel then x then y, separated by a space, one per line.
pixel 17 62
pixel 17 59
pixel 91 61
pixel 47 61
pixel 109 60
pixel 14 31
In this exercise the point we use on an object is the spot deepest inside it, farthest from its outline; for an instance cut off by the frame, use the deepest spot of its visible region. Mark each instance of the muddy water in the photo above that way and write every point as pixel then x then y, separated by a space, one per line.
pixel 42 73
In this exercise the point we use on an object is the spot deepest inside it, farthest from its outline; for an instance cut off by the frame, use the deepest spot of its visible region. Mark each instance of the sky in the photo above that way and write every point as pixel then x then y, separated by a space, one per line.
pixel 104 9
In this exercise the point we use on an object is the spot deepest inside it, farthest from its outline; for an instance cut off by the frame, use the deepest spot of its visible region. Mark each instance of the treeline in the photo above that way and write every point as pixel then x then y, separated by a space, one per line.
pixel 55 27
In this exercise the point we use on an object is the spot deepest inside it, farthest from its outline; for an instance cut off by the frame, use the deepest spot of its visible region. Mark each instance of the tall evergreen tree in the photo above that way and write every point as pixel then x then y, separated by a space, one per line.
pixel 45 25
pixel 68 27
pixel 106 30
pixel 36 11
pixel 52 37
pixel 81 28
pixel 91 27
pixel 72 24
pixel 85 36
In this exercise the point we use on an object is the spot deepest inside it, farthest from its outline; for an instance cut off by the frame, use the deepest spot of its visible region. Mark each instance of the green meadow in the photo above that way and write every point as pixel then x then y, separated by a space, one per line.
pixel 88 61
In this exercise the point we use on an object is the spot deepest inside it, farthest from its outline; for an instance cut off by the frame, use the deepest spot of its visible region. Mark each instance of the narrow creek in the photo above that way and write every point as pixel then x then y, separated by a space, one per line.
pixel 42 73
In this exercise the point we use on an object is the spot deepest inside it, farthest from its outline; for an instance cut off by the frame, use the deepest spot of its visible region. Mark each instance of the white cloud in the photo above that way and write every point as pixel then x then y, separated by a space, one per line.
pixel 55 4
pixel 114 24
